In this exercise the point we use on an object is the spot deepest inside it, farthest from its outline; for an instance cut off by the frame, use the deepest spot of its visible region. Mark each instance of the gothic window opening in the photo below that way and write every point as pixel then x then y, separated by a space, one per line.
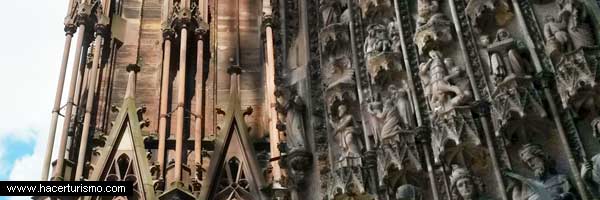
pixel 123 169
pixel 233 184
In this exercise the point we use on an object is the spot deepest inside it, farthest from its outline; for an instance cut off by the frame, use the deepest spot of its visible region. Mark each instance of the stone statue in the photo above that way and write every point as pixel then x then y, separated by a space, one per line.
pixel 345 132
pixel 505 60
pixel 377 40
pixel 296 139
pixel 394 36
pixel 331 10
pixel 457 76
pixel 590 173
pixel 390 116
pixel 547 184
pixel 574 12
pixel 401 97
pixel 408 192
pixel 464 186
pixel 432 33
pixel 442 95
pixel 557 38
pixel 426 8
pixel 596 127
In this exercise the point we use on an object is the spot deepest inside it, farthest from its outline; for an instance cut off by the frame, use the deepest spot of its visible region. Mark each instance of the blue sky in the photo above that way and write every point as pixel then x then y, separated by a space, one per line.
pixel 31 45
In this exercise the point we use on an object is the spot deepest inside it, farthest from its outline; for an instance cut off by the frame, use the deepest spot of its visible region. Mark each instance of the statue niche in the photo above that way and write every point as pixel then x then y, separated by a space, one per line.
pixel 547 183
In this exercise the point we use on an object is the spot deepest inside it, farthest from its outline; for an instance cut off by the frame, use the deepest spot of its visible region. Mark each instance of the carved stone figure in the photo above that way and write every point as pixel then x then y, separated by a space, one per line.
pixel 596 127
pixel 390 116
pixel 505 60
pixel 464 186
pixel 457 76
pixel 573 74
pixel 426 8
pixel 331 10
pixel 590 173
pixel 436 31
pixel 557 38
pixel 442 95
pixel 408 192
pixel 394 36
pixel 345 132
pixel 296 139
pixel 567 31
pixel 547 184
pixel 377 40
pixel 401 97
pixel 575 13
pixel 339 71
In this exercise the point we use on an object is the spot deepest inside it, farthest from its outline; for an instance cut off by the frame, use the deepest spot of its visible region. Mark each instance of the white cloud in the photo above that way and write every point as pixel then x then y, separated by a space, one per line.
pixel 28 167
pixel 30 57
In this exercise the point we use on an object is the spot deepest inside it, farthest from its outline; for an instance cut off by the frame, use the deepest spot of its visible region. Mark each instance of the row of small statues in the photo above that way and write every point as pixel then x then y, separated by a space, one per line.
pixel 547 183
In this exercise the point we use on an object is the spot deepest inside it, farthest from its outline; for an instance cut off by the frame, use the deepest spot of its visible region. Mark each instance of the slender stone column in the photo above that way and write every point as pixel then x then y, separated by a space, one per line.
pixel 58 170
pixel 82 79
pixel 411 84
pixel 164 102
pixel 180 105
pixel 200 32
pixel 271 100
pixel 69 29
pixel 89 103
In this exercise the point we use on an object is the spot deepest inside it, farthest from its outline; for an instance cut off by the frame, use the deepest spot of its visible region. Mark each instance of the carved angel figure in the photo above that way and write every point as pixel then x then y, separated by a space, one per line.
pixel 345 131
pixel 442 95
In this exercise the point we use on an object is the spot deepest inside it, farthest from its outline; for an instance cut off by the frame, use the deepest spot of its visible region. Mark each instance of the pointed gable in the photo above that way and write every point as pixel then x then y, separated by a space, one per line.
pixel 233 172
pixel 123 158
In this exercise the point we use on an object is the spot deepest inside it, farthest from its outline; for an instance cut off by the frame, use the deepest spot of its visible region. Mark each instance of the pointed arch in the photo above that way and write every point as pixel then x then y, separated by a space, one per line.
pixel 123 157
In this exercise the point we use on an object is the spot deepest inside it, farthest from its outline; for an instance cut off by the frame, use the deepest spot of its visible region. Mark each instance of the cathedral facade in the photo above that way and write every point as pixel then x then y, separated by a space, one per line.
pixel 331 99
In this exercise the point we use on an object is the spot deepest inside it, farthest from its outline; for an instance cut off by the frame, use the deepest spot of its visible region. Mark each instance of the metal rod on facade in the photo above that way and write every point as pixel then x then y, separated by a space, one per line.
pixel 180 104
pixel 89 106
pixel 58 170
pixel 484 121
pixel 69 29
